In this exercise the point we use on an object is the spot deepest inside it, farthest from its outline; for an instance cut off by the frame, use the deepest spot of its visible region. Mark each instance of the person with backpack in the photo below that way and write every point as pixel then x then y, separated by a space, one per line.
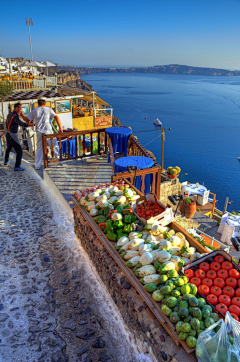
pixel 12 124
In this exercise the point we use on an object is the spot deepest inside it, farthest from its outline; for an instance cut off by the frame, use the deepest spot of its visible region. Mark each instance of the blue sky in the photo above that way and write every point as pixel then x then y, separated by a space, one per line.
pixel 124 32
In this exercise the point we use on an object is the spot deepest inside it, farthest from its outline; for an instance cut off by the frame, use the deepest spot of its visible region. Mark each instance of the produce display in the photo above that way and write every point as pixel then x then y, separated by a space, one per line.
pixel 192 301
pixel 219 283
pixel 149 209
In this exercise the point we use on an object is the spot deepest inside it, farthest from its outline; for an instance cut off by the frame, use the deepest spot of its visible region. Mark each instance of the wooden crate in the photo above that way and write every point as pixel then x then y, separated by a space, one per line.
pixel 133 280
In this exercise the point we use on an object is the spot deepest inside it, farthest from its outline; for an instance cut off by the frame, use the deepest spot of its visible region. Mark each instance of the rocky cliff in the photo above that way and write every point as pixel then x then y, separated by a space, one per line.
pixel 72 79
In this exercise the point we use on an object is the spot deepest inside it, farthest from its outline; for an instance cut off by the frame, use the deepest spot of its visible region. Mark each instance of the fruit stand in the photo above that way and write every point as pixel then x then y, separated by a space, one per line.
pixel 162 262
pixel 144 283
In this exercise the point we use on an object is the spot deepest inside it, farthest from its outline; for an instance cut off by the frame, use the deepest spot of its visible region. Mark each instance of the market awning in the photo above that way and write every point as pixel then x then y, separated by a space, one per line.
pixel 97 100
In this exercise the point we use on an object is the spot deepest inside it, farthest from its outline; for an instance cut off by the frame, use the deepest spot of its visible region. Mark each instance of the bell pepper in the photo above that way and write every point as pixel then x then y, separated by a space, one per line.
pixel 106 211
pixel 128 219
pixel 118 224
pixel 111 236
pixel 119 231
pixel 121 235
pixel 120 209
pixel 127 229
pixel 133 218
pixel 96 218
pixel 101 219
pixel 109 226
pixel 102 225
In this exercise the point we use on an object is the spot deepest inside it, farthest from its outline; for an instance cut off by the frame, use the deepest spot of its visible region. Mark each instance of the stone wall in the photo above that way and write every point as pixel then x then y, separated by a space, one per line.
pixel 135 313
pixel 169 187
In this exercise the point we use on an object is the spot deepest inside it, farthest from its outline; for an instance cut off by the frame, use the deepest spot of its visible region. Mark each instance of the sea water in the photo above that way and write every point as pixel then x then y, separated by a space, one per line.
pixel 203 113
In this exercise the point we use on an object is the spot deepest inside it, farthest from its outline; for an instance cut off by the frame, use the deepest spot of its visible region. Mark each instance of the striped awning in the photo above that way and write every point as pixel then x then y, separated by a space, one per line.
pixel 27 95
pixel 62 91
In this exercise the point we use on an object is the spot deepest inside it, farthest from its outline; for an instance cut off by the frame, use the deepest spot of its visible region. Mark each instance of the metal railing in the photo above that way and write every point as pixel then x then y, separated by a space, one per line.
pixel 223 246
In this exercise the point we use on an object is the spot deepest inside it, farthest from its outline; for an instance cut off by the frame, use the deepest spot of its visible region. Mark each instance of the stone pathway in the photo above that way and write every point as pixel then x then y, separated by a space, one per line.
pixel 53 307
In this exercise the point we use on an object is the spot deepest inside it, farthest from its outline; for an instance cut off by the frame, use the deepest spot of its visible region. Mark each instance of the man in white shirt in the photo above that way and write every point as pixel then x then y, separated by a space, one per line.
pixel 42 117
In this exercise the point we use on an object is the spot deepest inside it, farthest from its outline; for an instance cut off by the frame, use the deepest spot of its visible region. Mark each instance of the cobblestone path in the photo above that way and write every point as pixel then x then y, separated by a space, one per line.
pixel 52 305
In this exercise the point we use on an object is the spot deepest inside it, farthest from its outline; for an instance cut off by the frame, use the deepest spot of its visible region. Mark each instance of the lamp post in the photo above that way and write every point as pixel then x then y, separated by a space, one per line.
pixel 29 22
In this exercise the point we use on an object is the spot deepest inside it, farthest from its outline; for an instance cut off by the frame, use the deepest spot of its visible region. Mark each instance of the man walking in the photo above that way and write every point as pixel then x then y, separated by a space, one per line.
pixel 12 124
pixel 42 116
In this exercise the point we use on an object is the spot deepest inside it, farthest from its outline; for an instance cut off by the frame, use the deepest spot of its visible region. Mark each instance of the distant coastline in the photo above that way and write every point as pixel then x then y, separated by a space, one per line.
pixel 161 69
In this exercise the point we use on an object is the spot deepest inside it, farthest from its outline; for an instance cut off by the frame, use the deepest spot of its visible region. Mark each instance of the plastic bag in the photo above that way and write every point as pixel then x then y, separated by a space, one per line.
pixel 216 347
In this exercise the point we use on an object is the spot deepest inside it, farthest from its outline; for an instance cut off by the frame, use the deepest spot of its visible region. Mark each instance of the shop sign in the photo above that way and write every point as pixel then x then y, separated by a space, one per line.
pixel 103 121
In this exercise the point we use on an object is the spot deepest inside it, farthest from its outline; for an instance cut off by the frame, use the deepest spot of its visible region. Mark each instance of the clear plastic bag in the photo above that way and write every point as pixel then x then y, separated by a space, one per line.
pixel 216 347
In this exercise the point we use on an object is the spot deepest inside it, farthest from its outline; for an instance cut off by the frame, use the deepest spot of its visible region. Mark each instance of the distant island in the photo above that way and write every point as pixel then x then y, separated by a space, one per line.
pixel 162 69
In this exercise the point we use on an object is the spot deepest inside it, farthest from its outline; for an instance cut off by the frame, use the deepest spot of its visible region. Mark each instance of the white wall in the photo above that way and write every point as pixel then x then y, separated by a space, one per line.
pixel 66 119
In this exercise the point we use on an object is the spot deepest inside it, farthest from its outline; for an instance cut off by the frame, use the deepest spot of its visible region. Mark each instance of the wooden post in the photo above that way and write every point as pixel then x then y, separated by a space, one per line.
pixel 162 148
pixel 225 205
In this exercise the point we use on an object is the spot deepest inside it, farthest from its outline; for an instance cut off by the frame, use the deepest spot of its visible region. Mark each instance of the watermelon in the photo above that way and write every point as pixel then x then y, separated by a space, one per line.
pixel 182 336
pixel 193 289
pixel 162 278
pixel 175 293
pixel 201 302
pixel 179 282
pixel 195 323
pixel 193 302
pixel 183 304
pixel 215 316
pixel 192 332
pixel 183 312
pixel 185 289
pixel 186 327
pixel 209 321
pixel 187 319
pixel 178 326
pixel 171 302
pixel 197 313
pixel 206 312
pixel 191 341
pixel 174 317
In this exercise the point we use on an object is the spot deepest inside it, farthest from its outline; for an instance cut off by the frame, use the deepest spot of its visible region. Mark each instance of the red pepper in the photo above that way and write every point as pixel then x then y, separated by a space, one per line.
pixel 102 225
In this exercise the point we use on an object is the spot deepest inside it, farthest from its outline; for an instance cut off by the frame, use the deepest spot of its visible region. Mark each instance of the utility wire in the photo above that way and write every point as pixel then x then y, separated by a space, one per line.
pixel 152 140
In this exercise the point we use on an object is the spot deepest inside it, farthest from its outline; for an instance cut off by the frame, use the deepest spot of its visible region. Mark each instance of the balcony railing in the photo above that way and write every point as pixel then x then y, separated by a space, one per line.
pixel 31 84
pixel 75 145
pixel 136 149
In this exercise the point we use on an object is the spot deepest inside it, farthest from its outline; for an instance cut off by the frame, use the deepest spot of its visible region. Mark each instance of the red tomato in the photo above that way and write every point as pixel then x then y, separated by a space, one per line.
pixel 211 274
pixel 215 266
pixel 228 291
pixel 200 273
pixel 225 299
pixel 227 265
pixel 208 282
pixel 216 291
pixel 222 273
pixel 235 316
pixel 231 282
pixel 236 301
pixel 238 292
pixel 219 258
pixel 203 289
pixel 234 309
pixel 239 283
pixel 204 266
pixel 233 273
pixel 189 273
pixel 212 299
pixel 222 308
pixel 196 281
pixel 219 282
